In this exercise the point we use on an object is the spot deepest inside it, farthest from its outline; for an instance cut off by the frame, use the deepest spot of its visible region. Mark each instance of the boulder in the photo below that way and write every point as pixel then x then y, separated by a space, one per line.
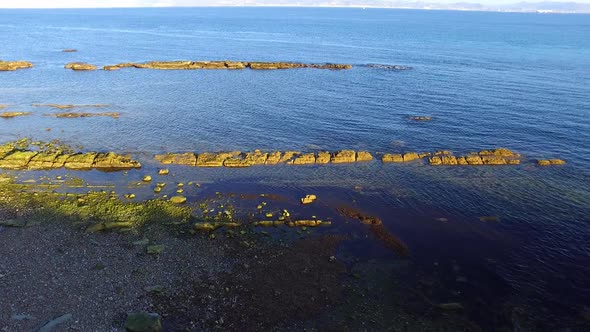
pixel 143 322
pixel 257 157
pixel 177 158
pixel 178 199
pixel 392 158
pixel 81 160
pixel 323 157
pixel 435 161
pixel 304 159
pixel 17 159
pixel 113 160
pixel 363 156
pixel 273 158
pixel 14 65
pixel 410 156
pixel 208 159
pixel 288 156
pixel 43 160
pixel 344 156
pixel 80 66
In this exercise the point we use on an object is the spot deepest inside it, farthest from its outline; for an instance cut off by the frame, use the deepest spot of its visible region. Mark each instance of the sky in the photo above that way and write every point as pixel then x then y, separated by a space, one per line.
pixel 164 3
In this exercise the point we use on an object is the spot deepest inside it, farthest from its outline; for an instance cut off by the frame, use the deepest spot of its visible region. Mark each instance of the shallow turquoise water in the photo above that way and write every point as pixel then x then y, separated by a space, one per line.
pixel 519 81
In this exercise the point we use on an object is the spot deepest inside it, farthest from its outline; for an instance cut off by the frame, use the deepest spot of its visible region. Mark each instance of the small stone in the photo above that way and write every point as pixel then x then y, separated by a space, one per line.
pixel 178 199
pixel 130 196
pixel 143 322
pixel 147 178
pixel 163 171
pixel 269 215
pixel 308 199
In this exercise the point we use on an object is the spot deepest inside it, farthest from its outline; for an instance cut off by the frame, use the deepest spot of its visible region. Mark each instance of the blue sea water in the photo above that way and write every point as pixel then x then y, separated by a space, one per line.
pixel 520 81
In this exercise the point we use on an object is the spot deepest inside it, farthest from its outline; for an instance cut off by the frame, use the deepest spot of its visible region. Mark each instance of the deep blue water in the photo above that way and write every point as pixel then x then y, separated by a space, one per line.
pixel 520 81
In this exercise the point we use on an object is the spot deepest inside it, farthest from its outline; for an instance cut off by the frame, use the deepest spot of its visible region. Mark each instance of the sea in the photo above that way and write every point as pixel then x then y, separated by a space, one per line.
pixel 515 80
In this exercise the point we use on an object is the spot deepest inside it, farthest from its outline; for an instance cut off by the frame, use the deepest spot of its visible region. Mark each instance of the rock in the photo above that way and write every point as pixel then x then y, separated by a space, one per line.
pixel 550 162
pixel 155 249
pixel 344 156
pixel 80 66
pixel 392 158
pixel 493 160
pixel 111 68
pixel 304 159
pixel 52 325
pixel 81 160
pixel 236 162
pixel 420 118
pixel 70 106
pixel 288 156
pixel 448 160
pixel 147 178
pixel 13 114
pixel 14 65
pixel 462 161
pixel 410 156
pixel 178 199
pixel 163 171
pixel 74 115
pixel 113 161
pixel 435 161
pixel 502 152
pixel 389 67
pixel 474 160
pixel 60 161
pixel 363 156
pixel 323 157
pixel 143 322
pixel 308 199
pixel 208 159
pixel 17 159
pixel 273 158
pixel 256 158
pixel 177 158
pixel 43 160
pixel 305 223
pixel 69 50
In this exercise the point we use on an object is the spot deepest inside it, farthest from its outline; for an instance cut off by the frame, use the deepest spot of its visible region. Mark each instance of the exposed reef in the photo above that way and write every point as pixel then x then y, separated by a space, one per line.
pixel 187 65
pixel 14 65
pixel 79 66
pixel 24 154
pixel 13 114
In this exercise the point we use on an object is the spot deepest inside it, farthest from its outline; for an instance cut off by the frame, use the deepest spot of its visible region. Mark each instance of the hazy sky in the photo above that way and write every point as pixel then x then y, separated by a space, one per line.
pixel 154 3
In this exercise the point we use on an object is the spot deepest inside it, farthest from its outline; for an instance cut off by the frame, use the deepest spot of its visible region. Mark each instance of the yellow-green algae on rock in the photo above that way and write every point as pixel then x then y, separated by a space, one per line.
pixel 14 65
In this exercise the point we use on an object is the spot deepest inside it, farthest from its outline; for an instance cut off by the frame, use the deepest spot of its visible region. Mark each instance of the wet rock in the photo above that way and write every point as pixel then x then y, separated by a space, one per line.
pixel 208 159
pixel 550 162
pixel 323 157
pixel 305 223
pixel 344 156
pixel 389 67
pixel 392 158
pixel 60 161
pixel 7 115
pixel 111 68
pixel 178 199
pixel 81 160
pixel 474 160
pixel 493 160
pixel 363 156
pixel 268 223
pixel 143 322
pixel 80 66
pixel 17 159
pixel 236 162
pixel 288 156
pixel 14 65
pixel 273 158
pixel 147 178
pixel 43 160
pixel 256 158
pixel 420 118
pixel 163 171
pixel 443 153
pixel 462 161
pixel 304 159
pixel 435 161
pixel 502 152
pixel 308 199
pixel 177 158
pixel 448 160
pixel 111 160
pixel 411 156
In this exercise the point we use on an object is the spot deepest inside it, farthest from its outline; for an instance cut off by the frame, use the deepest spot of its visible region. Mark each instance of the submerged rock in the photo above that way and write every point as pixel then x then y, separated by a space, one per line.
pixel 80 66
pixel 14 65
pixel 13 114
pixel 72 115
pixel 420 118
pixel 81 160
pixel 52 324
pixel 550 162
pixel 389 67
pixel 143 322
pixel 177 158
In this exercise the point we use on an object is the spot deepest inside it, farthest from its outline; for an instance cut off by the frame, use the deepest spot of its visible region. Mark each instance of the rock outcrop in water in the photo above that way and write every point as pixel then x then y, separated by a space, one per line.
pixel 17 155
pixel 71 115
pixel 389 67
pixel 14 65
pixel 13 114
pixel 80 66
pixel 192 65
pixel 550 162
pixel 500 156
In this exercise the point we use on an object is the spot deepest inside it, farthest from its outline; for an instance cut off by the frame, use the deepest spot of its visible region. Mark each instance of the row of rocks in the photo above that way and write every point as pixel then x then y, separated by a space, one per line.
pixel 246 159
pixel 35 160
pixel 188 65
pixel 500 156
pixel 14 65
